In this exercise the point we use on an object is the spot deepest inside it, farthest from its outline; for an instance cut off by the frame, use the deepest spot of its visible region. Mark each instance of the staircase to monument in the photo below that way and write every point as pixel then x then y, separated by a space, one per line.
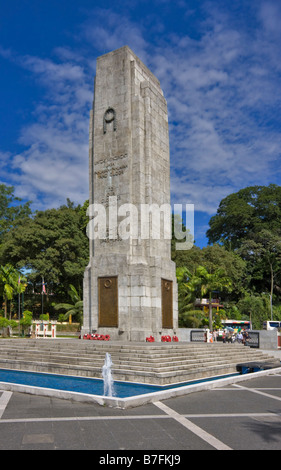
pixel 153 363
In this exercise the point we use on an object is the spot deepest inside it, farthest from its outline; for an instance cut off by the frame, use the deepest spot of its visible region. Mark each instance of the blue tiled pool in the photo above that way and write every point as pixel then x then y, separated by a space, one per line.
pixel 86 385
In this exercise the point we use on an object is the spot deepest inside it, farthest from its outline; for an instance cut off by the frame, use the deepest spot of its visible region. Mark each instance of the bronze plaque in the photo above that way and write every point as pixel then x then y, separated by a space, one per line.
pixel 108 301
pixel 167 303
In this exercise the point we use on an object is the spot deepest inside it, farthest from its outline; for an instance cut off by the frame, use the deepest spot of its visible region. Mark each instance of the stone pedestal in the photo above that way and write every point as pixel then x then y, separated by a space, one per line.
pixel 130 288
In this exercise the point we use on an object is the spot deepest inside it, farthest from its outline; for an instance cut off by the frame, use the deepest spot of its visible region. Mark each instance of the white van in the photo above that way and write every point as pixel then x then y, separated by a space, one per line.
pixel 271 325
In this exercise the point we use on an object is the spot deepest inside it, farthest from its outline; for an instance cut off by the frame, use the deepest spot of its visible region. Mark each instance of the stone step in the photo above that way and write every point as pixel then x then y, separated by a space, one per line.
pixel 161 376
pixel 101 345
pixel 169 355
pixel 134 365
pixel 167 359
pixel 141 362
pixel 127 356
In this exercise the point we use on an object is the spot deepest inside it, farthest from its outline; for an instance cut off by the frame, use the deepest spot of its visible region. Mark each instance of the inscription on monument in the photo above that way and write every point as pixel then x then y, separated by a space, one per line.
pixel 108 301
pixel 109 166
pixel 167 303
pixel 111 159
pixel 111 171
pixel 110 192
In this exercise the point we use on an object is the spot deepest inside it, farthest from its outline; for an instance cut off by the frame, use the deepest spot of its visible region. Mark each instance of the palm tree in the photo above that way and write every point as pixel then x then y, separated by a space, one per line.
pixel 76 308
pixel 8 276
pixel 19 285
pixel 187 287
pixel 210 282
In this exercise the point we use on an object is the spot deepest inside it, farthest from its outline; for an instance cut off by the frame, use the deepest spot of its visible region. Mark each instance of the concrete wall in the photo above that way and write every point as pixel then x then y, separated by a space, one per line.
pixel 268 338
pixel 184 334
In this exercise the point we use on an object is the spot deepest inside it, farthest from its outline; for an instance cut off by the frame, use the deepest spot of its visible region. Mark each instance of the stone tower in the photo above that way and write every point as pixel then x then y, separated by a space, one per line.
pixel 130 288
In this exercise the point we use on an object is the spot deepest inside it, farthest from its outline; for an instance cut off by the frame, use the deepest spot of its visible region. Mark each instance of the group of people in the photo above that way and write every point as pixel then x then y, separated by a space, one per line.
pixel 241 336
pixel 229 336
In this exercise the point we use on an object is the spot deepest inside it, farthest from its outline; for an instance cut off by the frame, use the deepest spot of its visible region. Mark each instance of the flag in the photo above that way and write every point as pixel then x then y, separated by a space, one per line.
pixel 43 287
pixel 19 280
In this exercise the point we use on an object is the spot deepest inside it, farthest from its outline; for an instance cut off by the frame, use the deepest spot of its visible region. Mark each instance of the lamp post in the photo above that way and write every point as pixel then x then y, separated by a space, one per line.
pixel 43 292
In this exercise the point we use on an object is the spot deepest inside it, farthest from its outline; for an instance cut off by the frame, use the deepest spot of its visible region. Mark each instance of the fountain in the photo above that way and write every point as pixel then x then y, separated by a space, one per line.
pixel 108 383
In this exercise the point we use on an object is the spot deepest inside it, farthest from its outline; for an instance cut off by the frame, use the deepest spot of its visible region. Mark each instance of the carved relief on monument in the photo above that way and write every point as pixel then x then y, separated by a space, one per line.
pixel 108 117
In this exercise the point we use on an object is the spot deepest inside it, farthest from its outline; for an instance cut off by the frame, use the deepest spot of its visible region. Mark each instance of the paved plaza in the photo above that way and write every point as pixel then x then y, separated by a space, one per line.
pixel 244 416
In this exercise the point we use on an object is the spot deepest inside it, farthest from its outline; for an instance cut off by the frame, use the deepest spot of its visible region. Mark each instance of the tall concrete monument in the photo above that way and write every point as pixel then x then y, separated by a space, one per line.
pixel 130 287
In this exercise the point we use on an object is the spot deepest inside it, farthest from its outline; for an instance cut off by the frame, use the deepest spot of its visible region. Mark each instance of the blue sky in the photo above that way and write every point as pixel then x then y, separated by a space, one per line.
pixel 219 66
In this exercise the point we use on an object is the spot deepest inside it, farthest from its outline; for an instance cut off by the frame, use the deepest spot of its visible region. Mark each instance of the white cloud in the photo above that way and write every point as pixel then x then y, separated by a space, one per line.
pixel 108 31
pixel 223 92
pixel 270 15
pixel 49 70
pixel 223 95
pixel 54 164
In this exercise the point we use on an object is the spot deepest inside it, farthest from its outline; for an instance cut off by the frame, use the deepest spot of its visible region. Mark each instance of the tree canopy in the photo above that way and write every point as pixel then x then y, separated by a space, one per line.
pixel 51 244
pixel 245 213
pixel 12 212
pixel 242 261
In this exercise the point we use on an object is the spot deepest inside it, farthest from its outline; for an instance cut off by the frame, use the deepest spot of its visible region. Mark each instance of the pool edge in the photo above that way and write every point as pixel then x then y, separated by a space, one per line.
pixel 137 400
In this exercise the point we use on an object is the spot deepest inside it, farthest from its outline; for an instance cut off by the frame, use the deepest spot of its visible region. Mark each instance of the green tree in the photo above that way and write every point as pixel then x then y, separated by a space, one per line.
pixel 201 283
pixel 210 282
pixel 235 268
pixel 9 324
pixel 9 284
pixel 216 256
pixel 244 213
pixel 53 245
pixel 6 285
pixel 255 308
pixel 249 223
pixel 26 320
pixel 263 255
pixel 73 309
pixel 187 289
pixel 12 212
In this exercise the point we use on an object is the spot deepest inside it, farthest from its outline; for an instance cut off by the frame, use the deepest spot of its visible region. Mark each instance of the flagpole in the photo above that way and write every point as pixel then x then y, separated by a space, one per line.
pixel 19 311
pixel 42 297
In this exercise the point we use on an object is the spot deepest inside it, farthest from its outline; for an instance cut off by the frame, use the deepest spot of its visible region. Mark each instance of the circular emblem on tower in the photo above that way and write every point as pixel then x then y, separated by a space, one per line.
pixel 108 117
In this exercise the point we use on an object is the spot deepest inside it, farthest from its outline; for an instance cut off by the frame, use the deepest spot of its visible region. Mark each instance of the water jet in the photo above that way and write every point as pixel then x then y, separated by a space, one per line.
pixel 108 383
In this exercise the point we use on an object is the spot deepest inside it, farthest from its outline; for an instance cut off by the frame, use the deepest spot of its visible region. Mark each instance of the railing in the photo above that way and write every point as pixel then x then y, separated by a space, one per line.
pixel 198 336
pixel 254 339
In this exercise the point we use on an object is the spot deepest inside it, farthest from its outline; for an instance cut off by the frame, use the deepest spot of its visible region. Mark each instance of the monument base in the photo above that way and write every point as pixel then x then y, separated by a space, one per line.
pixel 130 301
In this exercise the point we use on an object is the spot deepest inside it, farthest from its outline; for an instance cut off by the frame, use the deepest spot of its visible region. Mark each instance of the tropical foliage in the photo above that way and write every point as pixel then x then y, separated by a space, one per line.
pixel 11 283
pixel 75 309
pixel 241 264
pixel 201 284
